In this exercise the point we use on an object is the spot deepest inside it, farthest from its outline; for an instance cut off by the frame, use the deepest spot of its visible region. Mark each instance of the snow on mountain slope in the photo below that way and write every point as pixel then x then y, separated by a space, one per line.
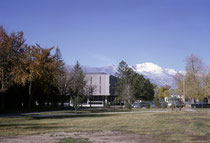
pixel 147 67
pixel 155 73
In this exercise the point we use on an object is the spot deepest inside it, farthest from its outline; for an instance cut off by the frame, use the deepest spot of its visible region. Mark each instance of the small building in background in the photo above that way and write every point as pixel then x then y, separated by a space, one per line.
pixel 103 88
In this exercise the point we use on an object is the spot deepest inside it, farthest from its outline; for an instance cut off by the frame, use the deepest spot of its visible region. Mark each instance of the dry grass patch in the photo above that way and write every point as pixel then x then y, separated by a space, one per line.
pixel 165 127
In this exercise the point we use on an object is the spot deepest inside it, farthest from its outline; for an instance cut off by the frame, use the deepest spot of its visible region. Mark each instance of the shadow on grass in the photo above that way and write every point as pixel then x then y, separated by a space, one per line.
pixel 70 111
pixel 71 116
pixel 16 115
pixel 32 126
pixel 74 140
pixel 109 110
pixel 98 110
pixel 41 127
pixel 17 125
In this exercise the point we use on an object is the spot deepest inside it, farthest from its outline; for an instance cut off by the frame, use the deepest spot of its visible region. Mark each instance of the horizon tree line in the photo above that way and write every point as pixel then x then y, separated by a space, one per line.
pixel 32 77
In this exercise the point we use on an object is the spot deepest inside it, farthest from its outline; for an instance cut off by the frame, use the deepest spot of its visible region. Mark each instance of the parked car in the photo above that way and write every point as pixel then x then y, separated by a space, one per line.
pixel 143 104
pixel 177 104
pixel 163 104
pixel 200 105
pixel 152 104
pixel 138 104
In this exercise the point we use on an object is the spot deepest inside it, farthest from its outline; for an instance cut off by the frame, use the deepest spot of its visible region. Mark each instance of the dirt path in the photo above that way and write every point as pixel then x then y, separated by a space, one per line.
pixel 95 137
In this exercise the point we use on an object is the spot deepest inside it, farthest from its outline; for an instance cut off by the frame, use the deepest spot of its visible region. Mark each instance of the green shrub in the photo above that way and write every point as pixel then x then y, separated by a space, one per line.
pixel 106 105
pixel 139 106
pixel 147 105
pixel 156 102
pixel 128 106
pixel 76 102
pixel 173 106
pixel 164 105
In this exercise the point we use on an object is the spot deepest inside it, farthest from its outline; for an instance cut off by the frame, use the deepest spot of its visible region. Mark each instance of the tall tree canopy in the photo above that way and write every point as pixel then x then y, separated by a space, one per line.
pixel 131 85
pixel 143 88
pixel 11 47
pixel 37 64
pixel 124 88
pixel 22 65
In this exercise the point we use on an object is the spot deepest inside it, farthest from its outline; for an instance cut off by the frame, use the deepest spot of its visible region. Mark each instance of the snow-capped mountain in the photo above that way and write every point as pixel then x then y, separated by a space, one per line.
pixel 155 73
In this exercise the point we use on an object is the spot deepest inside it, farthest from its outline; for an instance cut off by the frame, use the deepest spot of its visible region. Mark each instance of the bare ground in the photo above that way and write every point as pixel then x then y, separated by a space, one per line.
pixel 95 137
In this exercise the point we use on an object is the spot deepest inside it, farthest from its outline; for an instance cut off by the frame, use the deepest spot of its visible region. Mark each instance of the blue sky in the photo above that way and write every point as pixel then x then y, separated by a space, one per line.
pixel 104 32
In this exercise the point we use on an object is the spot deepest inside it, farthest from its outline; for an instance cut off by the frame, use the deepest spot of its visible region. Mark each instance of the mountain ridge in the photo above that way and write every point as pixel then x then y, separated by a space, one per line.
pixel 153 72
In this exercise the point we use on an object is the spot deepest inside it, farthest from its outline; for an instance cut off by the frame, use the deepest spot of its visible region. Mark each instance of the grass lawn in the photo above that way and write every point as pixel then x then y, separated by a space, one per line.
pixel 83 110
pixel 173 126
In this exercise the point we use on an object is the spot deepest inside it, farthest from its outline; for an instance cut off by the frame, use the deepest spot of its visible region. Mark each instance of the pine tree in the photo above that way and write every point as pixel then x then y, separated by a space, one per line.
pixel 77 85
pixel 124 88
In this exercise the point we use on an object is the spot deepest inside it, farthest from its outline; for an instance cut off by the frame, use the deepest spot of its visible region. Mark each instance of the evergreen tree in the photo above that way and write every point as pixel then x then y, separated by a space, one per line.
pixel 77 85
pixel 124 88
pixel 132 86
pixel 62 77
pixel 143 88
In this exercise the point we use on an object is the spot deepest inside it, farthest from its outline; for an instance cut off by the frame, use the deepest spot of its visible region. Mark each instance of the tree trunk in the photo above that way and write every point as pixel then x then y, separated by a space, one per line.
pixel 30 96
pixel 190 101
pixel 2 81
pixel 2 101
pixel 90 102
pixel 2 91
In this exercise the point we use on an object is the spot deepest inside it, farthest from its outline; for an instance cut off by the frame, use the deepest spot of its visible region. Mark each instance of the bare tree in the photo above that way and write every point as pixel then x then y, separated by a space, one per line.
pixel 89 90
pixel 207 83
pixel 127 92
pixel 194 84
pixel 179 80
